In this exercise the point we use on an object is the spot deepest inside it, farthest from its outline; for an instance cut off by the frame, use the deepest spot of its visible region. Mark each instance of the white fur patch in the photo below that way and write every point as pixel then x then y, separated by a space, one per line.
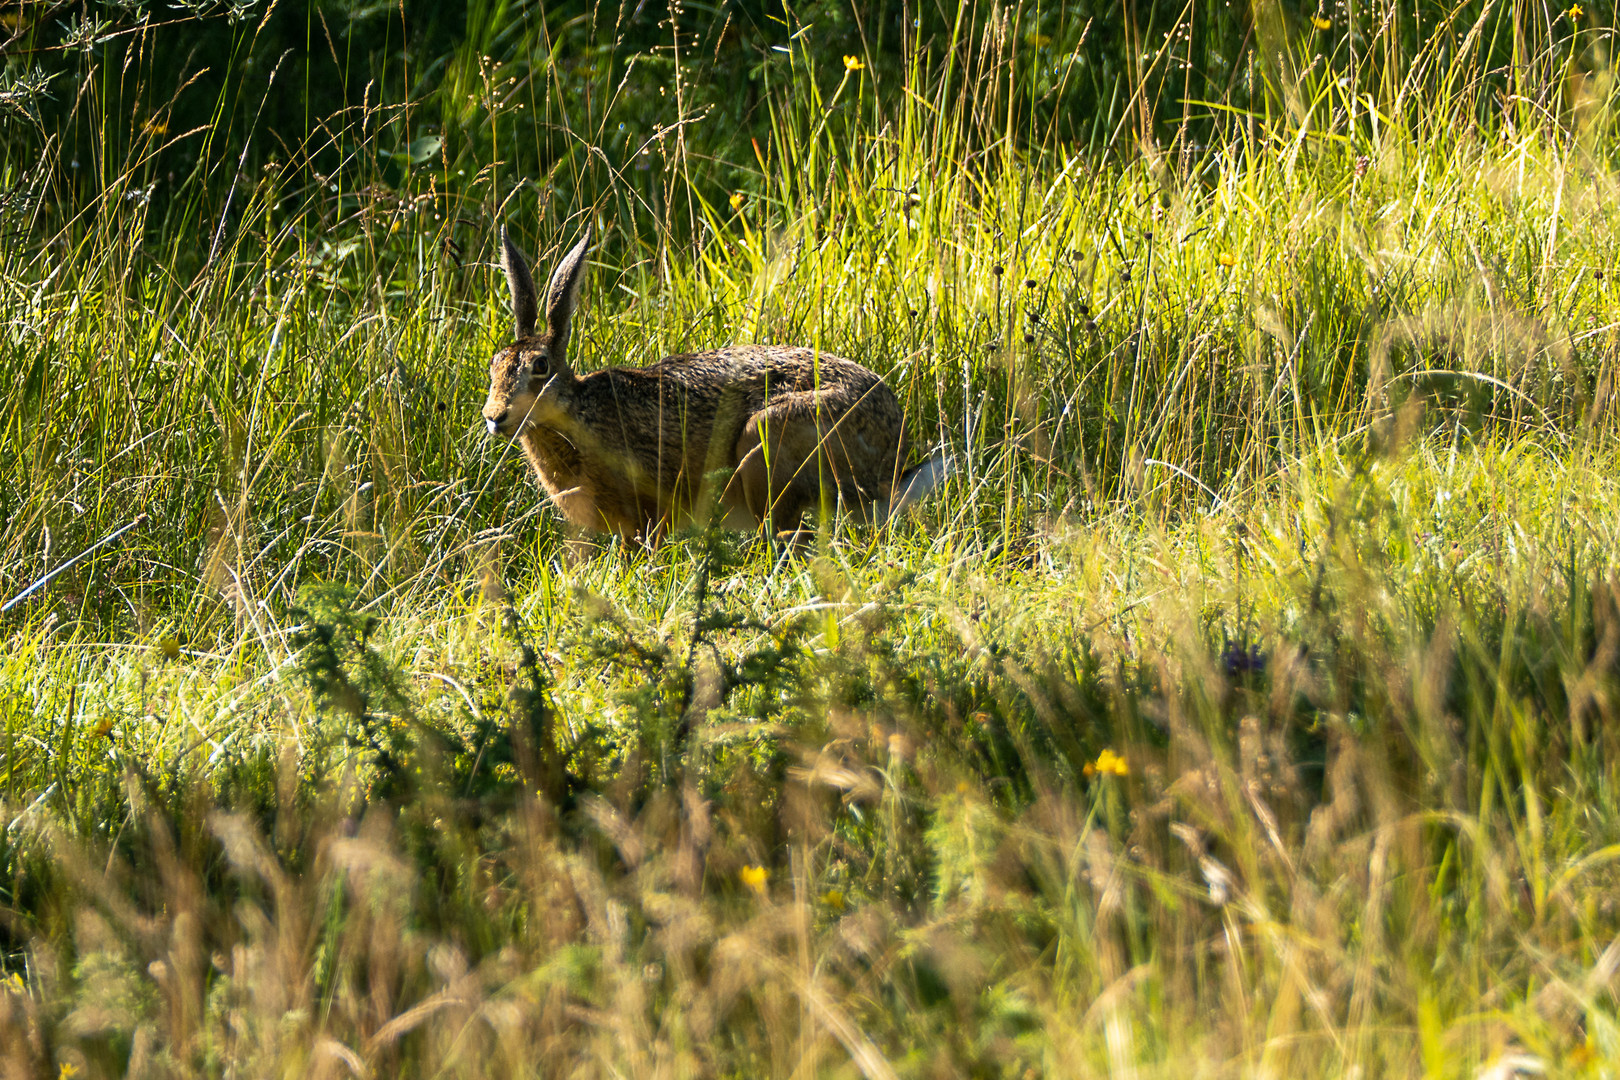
pixel 920 481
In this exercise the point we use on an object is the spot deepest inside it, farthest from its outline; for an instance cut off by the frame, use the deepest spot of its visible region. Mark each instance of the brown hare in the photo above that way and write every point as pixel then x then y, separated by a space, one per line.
pixel 628 450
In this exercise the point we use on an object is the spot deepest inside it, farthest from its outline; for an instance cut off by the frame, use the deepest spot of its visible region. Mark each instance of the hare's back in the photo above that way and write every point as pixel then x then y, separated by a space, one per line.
pixel 765 370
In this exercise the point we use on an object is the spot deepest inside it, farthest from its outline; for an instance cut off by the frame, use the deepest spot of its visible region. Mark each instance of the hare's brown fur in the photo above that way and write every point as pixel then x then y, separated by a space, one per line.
pixel 632 450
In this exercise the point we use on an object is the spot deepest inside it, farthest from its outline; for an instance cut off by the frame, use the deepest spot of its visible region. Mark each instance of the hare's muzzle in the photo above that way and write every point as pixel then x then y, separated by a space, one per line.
pixel 496 422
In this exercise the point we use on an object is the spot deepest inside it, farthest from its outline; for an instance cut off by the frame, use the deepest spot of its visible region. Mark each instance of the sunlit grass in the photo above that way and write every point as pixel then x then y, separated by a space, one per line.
pixel 1001 782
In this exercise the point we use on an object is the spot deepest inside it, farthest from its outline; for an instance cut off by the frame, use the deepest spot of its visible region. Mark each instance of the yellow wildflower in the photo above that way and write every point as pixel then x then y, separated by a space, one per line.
pixel 738 200
pixel 1108 763
pixel 754 878
pixel 68 1069
pixel 1575 11
pixel 1226 259
pixel 853 63
pixel 1319 22
pixel 169 647
pixel 1582 1054
pixel 1039 41
pixel 833 898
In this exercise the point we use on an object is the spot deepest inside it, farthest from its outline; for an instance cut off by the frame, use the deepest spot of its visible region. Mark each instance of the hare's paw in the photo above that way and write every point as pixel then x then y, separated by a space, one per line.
pixel 788 545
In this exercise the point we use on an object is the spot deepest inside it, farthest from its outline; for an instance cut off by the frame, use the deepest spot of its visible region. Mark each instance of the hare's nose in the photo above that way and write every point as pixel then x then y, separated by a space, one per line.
pixel 495 422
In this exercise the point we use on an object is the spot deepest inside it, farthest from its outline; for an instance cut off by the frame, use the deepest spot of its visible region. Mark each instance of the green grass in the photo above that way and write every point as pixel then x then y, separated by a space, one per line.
pixel 1287 475
pixel 1406 815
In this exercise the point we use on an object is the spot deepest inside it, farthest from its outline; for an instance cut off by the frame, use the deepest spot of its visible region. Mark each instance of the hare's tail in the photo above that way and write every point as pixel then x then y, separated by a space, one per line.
pixel 916 482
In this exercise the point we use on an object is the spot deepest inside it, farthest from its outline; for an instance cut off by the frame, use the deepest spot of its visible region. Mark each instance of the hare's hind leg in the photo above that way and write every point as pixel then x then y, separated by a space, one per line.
pixel 789 452
pixel 770 454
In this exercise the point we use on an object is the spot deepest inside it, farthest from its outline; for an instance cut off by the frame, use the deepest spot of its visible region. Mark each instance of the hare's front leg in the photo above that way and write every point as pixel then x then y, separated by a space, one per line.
pixel 781 456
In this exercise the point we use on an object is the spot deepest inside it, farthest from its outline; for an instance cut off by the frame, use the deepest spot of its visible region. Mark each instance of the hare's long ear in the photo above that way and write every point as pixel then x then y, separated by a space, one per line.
pixel 525 307
pixel 562 294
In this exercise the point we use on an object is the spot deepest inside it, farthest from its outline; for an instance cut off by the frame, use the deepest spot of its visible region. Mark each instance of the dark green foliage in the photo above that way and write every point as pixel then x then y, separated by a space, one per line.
pixel 203 99
pixel 347 677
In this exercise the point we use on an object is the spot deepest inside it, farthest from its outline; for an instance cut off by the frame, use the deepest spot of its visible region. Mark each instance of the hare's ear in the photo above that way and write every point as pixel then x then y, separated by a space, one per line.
pixel 525 307
pixel 562 294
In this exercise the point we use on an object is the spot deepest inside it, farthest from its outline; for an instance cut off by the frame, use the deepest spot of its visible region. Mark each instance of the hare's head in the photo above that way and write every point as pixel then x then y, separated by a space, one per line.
pixel 524 376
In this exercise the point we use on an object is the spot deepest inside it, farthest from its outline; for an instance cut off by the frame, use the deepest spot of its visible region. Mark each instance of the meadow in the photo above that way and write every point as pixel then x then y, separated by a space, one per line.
pixel 1243 704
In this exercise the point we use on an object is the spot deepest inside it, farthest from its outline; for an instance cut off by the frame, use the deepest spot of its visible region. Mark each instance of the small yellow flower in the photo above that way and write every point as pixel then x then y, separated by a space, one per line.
pixel 1319 22
pixel 68 1069
pixel 1226 259
pixel 738 200
pixel 853 63
pixel 1582 1054
pixel 155 126
pixel 1575 11
pixel 754 877
pixel 1039 41
pixel 833 898
pixel 1108 763
pixel 169 647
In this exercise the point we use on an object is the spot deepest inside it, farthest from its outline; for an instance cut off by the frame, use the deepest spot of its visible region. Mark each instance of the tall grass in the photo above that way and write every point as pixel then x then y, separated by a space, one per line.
pixel 1239 706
